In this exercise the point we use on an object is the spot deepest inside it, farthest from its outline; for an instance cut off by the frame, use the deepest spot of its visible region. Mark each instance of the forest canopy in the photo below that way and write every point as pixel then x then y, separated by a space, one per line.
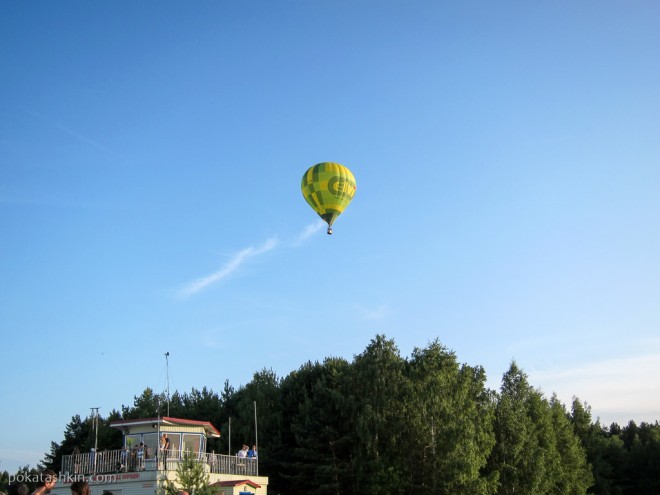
pixel 382 423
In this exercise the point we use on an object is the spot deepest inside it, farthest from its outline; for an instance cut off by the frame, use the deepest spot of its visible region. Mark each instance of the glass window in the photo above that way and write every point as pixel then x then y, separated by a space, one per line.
pixel 132 440
pixel 175 444
pixel 191 442
pixel 151 441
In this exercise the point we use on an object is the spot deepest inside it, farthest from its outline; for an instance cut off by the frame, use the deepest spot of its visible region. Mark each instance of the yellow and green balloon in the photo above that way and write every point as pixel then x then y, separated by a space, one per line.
pixel 328 188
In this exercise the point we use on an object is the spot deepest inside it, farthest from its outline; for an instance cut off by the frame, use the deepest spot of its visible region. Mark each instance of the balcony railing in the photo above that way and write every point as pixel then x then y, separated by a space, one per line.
pixel 121 461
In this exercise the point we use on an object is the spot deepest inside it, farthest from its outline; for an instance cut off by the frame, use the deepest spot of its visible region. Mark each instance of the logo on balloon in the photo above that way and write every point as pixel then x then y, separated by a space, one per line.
pixel 341 188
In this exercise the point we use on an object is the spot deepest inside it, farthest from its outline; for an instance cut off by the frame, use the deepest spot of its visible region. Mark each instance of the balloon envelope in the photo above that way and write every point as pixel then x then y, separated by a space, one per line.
pixel 328 188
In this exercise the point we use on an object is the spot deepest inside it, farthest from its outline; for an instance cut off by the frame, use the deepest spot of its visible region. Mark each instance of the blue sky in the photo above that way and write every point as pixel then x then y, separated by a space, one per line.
pixel 508 169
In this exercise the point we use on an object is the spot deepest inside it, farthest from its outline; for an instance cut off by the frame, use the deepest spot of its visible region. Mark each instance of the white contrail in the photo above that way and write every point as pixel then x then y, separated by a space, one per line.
pixel 65 129
pixel 242 256
pixel 230 267
pixel 309 231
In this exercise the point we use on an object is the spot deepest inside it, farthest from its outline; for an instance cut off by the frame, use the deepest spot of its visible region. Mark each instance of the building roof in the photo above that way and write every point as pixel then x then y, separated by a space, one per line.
pixel 209 429
pixel 236 483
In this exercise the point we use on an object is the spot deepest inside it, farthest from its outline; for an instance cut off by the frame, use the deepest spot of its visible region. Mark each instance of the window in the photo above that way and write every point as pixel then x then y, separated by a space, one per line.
pixel 191 442
pixel 151 441
pixel 132 440
pixel 175 445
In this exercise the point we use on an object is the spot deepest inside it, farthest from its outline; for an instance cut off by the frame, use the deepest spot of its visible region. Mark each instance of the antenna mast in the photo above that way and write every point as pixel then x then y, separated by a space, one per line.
pixel 167 366
pixel 256 438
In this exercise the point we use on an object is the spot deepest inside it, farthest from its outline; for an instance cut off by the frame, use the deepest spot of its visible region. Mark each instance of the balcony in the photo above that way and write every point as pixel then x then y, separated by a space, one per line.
pixel 121 461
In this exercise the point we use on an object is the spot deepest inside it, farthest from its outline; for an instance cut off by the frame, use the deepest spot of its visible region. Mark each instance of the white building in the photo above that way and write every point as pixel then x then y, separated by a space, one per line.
pixel 141 468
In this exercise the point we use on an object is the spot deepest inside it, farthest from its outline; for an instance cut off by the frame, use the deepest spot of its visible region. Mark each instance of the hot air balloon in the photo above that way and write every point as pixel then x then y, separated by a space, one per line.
pixel 328 188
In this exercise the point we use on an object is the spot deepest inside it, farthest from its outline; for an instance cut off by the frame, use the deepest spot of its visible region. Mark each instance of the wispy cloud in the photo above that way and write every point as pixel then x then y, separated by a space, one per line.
pixel 617 389
pixel 234 263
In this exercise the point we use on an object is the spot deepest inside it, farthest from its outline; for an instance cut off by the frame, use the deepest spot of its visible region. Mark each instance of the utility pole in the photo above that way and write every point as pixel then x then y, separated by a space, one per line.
pixel 160 449
pixel 95 419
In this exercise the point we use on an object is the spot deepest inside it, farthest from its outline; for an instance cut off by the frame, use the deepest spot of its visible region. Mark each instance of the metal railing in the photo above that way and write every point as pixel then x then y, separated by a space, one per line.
pixel 121 461
pixel 231 464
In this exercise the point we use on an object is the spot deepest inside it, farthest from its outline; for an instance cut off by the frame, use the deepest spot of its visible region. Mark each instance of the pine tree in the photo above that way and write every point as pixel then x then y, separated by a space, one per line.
pixel 524 455
pixel 450 416
pixel 377 383
pixel 573 475
pixel 191 476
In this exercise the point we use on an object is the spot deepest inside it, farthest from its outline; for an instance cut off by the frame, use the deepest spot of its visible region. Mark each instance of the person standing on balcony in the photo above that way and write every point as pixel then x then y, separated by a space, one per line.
pixel 252 453
pixel 164 448
pixel 123 460
pixel 243 452
pixel 140 457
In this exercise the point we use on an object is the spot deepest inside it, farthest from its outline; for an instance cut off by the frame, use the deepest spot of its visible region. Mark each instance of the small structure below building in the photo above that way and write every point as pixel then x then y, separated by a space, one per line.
pixel 236 487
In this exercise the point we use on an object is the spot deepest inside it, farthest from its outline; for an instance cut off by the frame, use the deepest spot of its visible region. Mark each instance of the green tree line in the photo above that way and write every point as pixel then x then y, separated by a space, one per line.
pixel 385 424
